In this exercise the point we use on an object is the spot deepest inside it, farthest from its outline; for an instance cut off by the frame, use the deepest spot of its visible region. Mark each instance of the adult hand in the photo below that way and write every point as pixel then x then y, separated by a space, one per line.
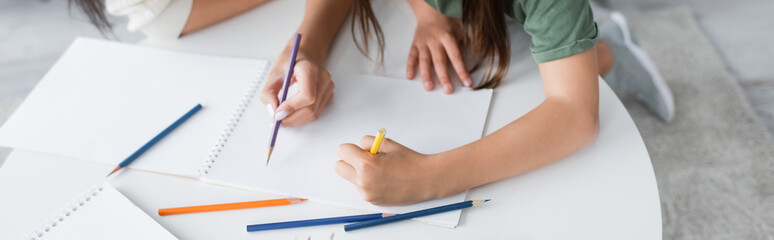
pixel 315 91
pixel 436 42
pixel 396 175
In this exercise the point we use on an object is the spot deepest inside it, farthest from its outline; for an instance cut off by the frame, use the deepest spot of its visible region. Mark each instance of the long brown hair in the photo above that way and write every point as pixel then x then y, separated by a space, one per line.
pixel 484 31
pixel 95 10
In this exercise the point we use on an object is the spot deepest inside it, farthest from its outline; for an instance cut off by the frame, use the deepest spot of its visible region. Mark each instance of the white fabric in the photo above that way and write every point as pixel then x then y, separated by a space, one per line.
pixel 158 19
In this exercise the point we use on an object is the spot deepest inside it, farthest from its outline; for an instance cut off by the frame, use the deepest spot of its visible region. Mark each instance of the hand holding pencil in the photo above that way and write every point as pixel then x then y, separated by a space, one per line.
pixel 396 175
pixel 314 83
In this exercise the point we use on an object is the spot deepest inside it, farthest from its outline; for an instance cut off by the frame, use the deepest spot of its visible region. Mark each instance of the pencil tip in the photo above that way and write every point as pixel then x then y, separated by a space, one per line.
pixel 478 202
pixel 269 156
pixel 114 171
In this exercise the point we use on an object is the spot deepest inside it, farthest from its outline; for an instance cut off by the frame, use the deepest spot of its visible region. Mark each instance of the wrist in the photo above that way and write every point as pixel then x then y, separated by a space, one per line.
pixel 424 12
pixel 444 180
pixel 304 53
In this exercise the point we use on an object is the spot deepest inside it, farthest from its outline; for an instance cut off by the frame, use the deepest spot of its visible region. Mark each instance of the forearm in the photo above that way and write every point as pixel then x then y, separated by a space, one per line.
pixel 562 124
pixel 550 132
pixel 205 13
pixel 321 23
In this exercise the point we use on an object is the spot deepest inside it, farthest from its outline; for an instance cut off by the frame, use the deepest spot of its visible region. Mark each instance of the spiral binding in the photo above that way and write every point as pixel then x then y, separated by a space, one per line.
pixel 255 84
pixel 72 208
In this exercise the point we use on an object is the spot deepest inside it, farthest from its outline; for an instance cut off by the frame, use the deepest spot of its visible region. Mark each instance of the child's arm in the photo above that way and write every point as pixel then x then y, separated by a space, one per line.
pixel 322 20
pixel 565 122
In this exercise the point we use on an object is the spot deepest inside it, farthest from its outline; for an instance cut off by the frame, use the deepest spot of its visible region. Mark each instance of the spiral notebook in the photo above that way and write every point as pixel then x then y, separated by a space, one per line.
pixel 100 213
pixel 102 100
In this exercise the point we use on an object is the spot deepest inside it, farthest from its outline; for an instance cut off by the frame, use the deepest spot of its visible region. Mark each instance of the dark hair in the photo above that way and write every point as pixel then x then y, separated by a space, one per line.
pixel 484 31
pixel 95 10
pixel 363 14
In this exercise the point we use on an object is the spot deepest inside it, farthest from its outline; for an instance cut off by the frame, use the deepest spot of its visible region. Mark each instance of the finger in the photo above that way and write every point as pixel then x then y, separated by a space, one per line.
pixel 327 101
pixel 441 67
pixel 453 51
pixel 270 90
pixel 352 154
pixel 389 145
pixel 307 92
pixel 299 117
pixel 346 171
pixel 311 113
pixel 424 68
pixel 325 93
pixel 366 142
pixel 411 66
pixel 306 115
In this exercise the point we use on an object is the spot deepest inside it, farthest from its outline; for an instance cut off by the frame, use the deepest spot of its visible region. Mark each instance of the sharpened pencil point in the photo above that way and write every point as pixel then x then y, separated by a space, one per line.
pixel 269 156
pixel 114 171
pixel 477 202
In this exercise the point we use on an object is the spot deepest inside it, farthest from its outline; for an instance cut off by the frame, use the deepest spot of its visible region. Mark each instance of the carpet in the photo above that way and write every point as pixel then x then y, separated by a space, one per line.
pixel 715 162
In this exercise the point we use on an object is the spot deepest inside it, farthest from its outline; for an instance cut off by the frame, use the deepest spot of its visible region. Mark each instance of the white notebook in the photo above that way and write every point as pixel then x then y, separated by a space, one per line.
pixel 103 100
pixel 100 213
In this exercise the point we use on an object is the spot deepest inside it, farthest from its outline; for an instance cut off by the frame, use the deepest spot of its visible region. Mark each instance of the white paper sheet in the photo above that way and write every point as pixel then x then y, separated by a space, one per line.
pixel 303 160
pixel 103 100
pixel 100 213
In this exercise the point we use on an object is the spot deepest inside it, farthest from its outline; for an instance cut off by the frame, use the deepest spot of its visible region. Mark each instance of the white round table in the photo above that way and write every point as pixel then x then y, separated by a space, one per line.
pixel 605 191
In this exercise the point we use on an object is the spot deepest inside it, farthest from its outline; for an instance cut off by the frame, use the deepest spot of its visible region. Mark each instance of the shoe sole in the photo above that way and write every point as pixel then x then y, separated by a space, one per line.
pixel 649 66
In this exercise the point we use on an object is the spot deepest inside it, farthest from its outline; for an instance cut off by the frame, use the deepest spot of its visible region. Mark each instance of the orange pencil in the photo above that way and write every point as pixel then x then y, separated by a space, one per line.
pixel 230 206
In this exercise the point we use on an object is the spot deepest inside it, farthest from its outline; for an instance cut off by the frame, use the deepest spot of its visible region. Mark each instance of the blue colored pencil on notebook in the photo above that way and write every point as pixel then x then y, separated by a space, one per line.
pixel 155 139
pixel 415 214
pixel 315 222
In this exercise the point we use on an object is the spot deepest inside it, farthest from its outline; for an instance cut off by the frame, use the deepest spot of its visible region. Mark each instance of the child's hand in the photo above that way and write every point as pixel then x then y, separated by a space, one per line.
pixel 314 94
pixel 435 43
pixel 396 175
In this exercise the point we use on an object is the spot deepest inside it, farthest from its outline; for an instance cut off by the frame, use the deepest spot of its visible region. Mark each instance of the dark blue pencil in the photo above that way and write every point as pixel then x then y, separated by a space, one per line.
pixel 315 222
pixel 155 139
pixel 415 214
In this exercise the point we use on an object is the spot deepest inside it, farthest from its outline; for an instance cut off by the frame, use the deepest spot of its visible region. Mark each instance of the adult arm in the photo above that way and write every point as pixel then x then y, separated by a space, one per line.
pixel 321 23
pixel 205 13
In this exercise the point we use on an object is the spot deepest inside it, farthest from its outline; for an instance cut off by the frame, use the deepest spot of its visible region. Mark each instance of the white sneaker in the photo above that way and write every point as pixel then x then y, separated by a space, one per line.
pixel 633 71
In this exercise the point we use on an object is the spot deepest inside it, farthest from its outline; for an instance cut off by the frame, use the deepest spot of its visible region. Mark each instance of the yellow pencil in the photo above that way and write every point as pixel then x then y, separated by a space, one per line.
pixel 378 141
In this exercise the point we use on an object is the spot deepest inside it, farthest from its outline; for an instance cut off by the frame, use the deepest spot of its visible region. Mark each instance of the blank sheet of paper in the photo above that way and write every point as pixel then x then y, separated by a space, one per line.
pixel 303 160
pixel 101 213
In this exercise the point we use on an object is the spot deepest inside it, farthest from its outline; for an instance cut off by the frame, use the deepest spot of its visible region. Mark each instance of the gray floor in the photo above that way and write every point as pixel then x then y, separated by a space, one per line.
pixel 742 32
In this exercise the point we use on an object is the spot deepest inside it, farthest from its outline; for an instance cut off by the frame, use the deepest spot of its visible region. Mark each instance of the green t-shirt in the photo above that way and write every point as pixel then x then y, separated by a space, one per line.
pixel 559 28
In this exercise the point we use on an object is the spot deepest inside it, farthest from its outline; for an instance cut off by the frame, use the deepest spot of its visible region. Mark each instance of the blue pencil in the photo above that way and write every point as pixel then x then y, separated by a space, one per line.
pixel 415 214
pixel 155 139
pixel 315 222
